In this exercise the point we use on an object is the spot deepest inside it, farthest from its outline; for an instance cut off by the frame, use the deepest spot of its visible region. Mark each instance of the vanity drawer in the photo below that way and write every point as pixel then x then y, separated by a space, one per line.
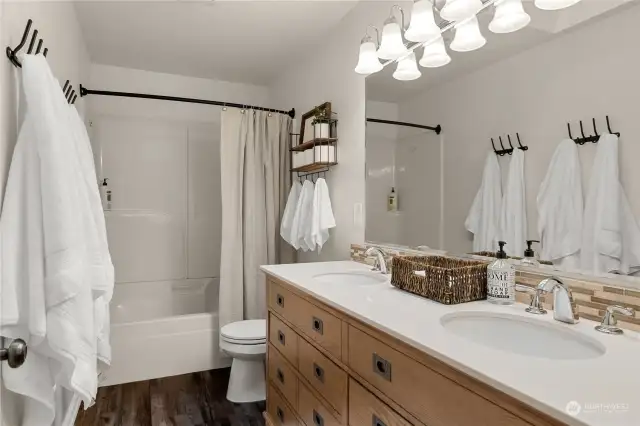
pixel 284 339
pixel 326 377
pixel 366 409
pixel 282 376
pixel 424 393
pixel 311 410
pixel 279 412
pixel 318 324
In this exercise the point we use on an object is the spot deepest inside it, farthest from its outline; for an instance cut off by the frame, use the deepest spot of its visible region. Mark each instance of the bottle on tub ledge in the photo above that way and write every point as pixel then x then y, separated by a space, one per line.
pixel 501 279
pixel 392 201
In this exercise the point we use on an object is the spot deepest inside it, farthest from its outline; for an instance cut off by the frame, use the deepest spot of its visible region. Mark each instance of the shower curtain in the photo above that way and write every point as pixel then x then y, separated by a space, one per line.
pixel 254 159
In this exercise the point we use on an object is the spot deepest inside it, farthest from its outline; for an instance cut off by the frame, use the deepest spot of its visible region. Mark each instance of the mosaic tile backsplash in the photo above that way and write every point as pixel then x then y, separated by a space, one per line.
pixel 591 297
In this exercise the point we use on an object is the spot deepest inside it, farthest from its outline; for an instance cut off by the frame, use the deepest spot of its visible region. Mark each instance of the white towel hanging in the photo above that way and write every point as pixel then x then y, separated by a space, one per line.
pixel 323 218
pixel 286 225
pixel 484 215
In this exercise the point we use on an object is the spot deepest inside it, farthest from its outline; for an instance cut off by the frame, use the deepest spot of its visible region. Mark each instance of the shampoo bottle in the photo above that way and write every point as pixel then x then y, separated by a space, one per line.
pixel 392 202
pixel 501 279
pixel 530 255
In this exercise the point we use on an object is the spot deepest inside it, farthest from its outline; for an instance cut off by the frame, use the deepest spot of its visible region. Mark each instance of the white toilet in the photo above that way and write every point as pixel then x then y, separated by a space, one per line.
pixel 246 343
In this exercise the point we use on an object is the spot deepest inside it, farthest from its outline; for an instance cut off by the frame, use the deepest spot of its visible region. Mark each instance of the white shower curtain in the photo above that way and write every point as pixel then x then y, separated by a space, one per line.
pixel 254 171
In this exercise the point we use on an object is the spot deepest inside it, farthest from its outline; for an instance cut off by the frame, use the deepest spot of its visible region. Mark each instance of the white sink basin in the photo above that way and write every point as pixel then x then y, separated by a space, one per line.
pixel 353 278
pixel 523 336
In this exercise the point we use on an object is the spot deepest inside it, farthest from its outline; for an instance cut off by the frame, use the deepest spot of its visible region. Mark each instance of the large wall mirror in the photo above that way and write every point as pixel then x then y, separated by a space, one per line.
pixel 566 88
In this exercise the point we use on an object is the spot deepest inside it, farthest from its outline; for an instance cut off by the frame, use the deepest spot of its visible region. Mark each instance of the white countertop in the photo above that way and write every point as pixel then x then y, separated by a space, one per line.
pixel 607 388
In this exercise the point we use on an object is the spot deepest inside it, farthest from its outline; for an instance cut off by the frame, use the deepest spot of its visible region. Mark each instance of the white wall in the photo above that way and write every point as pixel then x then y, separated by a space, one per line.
pixel 590 71
pixel 57 24
pixel 162 161
pixel 326 74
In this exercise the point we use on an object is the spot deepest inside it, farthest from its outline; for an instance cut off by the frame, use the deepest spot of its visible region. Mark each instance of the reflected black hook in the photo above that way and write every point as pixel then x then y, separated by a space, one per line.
pixel 594 127
pixel 609 128
pixel 72 95
pixel 33 41
pixel 68 91
pixel 505 150
pixel 569 128
pixel 66 84
pixel 510 144
pixel 494 147
pixel 582 130
pixel 44 53
pixel 73 101
pixel 39 46
pixel 520 146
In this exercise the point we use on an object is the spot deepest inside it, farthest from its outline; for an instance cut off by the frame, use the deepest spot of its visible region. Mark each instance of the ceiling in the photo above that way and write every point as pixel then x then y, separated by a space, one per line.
pixel 232 40
pixel 544 26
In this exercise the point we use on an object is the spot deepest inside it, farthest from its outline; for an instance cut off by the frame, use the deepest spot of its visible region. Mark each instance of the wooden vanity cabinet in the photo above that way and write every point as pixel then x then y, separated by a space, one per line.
pixel 326 368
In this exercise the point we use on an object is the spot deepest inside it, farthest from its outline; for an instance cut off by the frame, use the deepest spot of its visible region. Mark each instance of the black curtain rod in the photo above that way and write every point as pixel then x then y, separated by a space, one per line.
pixel 437 129
pixel 84 92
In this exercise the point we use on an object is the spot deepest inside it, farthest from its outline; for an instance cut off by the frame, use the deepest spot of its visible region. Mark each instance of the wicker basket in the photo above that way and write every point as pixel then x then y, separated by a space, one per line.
pixel 494 254
pixel 447 280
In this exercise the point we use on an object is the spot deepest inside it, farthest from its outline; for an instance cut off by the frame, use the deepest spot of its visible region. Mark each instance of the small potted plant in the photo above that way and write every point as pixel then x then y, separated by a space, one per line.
pixel 320 123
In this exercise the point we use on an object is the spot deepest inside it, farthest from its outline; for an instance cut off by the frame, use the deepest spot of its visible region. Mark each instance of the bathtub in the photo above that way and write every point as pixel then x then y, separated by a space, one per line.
pixel 163 328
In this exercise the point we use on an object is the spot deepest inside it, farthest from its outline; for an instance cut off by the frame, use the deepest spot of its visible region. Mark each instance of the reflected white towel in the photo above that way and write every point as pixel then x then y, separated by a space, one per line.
pixel 484 216
pixel 561 206
pixel 611 237
pixel 322 217
pixel 513 212
pixel 286 226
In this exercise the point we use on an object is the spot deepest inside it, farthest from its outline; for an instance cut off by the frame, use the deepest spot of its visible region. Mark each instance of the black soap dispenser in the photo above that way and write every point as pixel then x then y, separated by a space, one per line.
pixel 530 255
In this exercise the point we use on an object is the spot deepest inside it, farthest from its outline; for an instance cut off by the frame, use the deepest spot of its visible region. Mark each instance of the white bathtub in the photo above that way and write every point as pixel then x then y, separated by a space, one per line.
pixel 165 328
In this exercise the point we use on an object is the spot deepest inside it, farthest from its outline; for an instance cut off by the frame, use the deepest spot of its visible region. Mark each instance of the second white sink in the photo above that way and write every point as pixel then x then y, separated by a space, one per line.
pixel 523 336
pixel 352 278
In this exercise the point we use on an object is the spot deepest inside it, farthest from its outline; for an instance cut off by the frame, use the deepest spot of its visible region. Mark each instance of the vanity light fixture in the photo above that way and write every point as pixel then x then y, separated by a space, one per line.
pixel 423 25
pixel 468 36
pixel 435 54
pixel 509 17
pixel 459 10
pixel 368 62
pixel 407 68
pixel 554 4
pixel 392 45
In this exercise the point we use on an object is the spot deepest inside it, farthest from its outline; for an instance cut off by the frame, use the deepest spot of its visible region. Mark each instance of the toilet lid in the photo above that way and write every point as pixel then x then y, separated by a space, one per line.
pixel 248 331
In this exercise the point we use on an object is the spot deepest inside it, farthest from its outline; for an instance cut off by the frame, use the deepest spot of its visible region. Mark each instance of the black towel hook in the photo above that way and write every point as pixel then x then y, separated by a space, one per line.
pixel 500 153
pixel 506 150
pixel 595 129
pixel 66 84
pixel 33 41
pixel 520 146
pixel 582 130
pixel 569 128
pixel 39 46
pixel 11 53
pixel 609 128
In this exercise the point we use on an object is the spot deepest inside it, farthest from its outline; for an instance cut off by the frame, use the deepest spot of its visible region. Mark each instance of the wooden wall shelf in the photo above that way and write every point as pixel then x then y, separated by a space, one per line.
pixel 314 167
pixel 314 142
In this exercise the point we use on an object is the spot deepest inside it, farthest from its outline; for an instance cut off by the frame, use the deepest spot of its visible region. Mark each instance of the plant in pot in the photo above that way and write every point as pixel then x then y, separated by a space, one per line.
pixel 320 123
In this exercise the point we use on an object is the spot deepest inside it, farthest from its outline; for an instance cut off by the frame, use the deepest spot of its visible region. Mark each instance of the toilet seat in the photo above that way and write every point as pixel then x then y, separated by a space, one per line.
pixel 249 332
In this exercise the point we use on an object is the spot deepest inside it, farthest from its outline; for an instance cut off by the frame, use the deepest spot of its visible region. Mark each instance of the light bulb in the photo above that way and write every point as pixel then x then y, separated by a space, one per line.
pixel 458 10
pixel 423 24
pixel 368 61
pixel 468 36
pixel 407 68
pixel 435 54
pixel 392 46
pixel 509 17
pixel 554 4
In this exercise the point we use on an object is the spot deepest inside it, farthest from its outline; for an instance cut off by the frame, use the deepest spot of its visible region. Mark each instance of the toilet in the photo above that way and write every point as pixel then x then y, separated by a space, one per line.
pixel 246 343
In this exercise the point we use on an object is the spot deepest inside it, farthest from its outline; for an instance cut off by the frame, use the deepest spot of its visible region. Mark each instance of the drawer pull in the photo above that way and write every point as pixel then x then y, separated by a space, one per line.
pixel 280 375
pixel 317 325
pixel 318 372
pixel 280 300
pixel 281 337
pixel 280 414
pixel 382 367
pixel 375 421
pixel 317 419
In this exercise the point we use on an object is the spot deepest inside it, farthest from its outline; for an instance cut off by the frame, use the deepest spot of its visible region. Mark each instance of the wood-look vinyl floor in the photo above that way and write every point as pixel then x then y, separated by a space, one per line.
pixel 197 399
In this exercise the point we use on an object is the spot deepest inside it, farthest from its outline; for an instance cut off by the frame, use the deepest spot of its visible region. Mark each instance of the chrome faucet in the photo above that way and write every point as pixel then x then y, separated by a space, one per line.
pixel 379 265
pixel 609 322
pixel 564 307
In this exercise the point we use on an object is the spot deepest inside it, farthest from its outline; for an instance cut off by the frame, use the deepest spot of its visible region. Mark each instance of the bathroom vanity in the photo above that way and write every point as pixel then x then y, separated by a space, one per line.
pixel 346 348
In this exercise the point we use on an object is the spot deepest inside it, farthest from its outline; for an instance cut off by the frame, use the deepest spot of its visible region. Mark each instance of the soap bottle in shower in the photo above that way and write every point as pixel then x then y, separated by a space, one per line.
pixel 501 279
pixel 104 187
pixel 530 255
pixel 392 201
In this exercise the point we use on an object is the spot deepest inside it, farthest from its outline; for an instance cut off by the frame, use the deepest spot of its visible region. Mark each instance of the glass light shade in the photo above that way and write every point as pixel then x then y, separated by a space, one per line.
pixel 554 4
pixel 458 10
pixel 407 68
pixel 392 46
pixel 435 55
pixel 368 62
pixel 468 36
pixel 423 24
pixel 509 17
